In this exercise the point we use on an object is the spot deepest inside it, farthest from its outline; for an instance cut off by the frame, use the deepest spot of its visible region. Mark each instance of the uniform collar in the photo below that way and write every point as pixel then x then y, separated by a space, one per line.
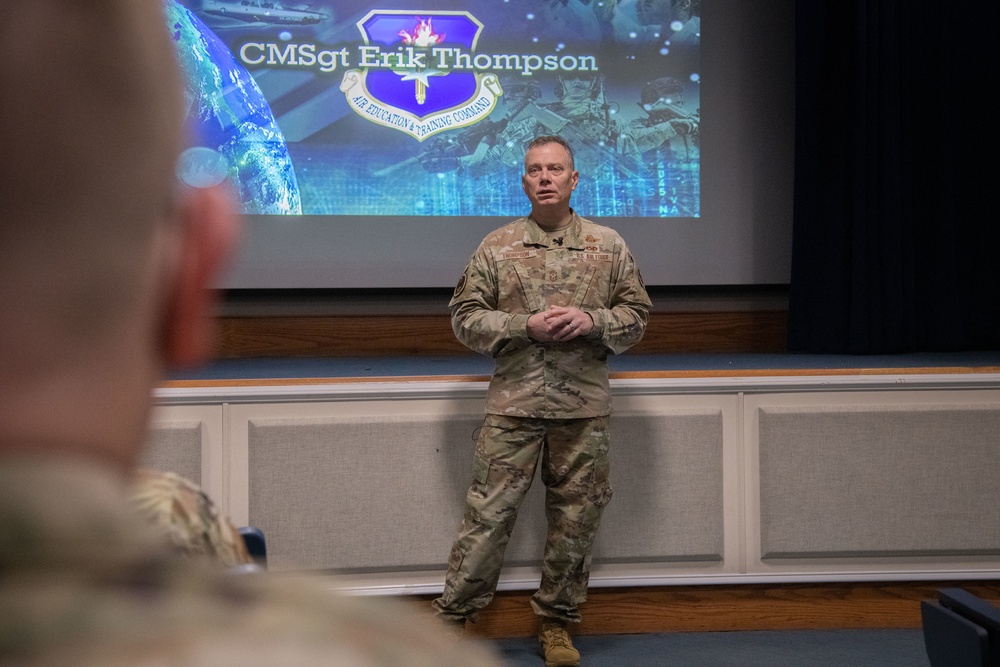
pixel 571 235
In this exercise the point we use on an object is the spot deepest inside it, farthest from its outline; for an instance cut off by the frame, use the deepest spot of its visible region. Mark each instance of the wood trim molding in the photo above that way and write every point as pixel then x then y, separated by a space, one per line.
pixel 727 608
pixel 405 335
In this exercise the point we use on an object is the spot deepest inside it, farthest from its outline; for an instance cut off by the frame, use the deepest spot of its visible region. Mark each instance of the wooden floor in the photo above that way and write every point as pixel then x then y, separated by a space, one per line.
pixel 728 608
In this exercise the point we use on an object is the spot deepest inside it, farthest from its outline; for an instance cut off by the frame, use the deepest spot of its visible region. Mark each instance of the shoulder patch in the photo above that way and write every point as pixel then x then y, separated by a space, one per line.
pixel 460 287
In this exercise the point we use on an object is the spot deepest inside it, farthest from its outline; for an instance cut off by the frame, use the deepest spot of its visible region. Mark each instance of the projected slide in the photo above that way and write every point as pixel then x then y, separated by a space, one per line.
pixel 414 109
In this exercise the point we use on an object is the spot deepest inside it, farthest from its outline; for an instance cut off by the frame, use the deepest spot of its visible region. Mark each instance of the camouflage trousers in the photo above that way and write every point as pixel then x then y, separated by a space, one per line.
pixel 574 461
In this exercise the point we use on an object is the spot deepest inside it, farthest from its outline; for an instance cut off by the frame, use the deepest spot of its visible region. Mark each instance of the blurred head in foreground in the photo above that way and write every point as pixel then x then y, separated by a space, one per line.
pixel 104 260
pixel 105 265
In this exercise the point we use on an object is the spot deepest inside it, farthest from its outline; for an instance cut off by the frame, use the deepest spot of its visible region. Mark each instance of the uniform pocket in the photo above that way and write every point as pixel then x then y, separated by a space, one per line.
pixel 480 470
pixel 480 476
pixel 580 299
pixel 600 486
pixel 529 297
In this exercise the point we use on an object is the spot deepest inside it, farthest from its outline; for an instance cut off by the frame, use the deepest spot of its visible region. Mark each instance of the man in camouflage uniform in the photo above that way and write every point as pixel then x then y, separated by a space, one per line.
pixel 105 265
pixel 549 297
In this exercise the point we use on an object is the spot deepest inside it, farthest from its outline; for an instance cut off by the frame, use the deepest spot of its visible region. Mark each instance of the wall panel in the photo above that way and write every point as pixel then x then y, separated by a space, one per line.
pixel 879 480
pixel 188 440
pixel 717 479
pixel 871 482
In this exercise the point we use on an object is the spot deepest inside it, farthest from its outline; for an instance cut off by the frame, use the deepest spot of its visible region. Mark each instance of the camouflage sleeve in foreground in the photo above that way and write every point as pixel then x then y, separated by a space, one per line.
pixel 187 517
pixel 87 583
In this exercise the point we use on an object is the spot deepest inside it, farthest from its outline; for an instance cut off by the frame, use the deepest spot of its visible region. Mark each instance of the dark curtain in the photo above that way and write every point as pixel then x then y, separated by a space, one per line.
pixel 895 231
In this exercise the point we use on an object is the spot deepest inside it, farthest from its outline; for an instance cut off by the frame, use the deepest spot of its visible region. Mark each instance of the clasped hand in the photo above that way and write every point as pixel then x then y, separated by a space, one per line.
pixel 558 324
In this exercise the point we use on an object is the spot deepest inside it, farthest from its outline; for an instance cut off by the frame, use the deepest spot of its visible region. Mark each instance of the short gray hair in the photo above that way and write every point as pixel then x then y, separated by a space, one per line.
pixel 551 139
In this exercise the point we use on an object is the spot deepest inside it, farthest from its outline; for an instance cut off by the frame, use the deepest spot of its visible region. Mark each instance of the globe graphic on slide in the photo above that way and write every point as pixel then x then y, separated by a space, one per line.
pixel 233 132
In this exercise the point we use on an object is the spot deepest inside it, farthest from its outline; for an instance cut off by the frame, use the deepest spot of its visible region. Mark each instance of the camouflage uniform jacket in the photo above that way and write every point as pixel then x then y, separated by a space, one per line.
pixel 188 517
pixel 87 582
pixel 517 272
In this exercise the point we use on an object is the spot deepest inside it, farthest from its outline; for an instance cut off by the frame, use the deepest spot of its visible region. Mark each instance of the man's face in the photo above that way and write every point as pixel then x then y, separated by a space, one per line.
pixel 577 88
pixel 549 179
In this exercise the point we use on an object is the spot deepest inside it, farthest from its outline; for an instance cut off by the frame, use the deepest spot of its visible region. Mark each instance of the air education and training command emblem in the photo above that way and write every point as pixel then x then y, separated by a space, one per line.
pixel 462 282
pixel 404 82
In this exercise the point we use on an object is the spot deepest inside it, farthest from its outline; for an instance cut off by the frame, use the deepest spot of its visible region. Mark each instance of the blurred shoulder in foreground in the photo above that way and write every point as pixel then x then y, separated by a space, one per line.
pixel 188 517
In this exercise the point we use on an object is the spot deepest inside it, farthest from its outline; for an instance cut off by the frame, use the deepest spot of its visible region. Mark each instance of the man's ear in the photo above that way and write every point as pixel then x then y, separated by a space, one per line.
pixel 209 231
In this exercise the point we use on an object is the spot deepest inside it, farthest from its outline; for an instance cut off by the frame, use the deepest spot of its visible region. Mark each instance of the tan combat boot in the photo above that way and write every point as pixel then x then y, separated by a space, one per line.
pixel 556 645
